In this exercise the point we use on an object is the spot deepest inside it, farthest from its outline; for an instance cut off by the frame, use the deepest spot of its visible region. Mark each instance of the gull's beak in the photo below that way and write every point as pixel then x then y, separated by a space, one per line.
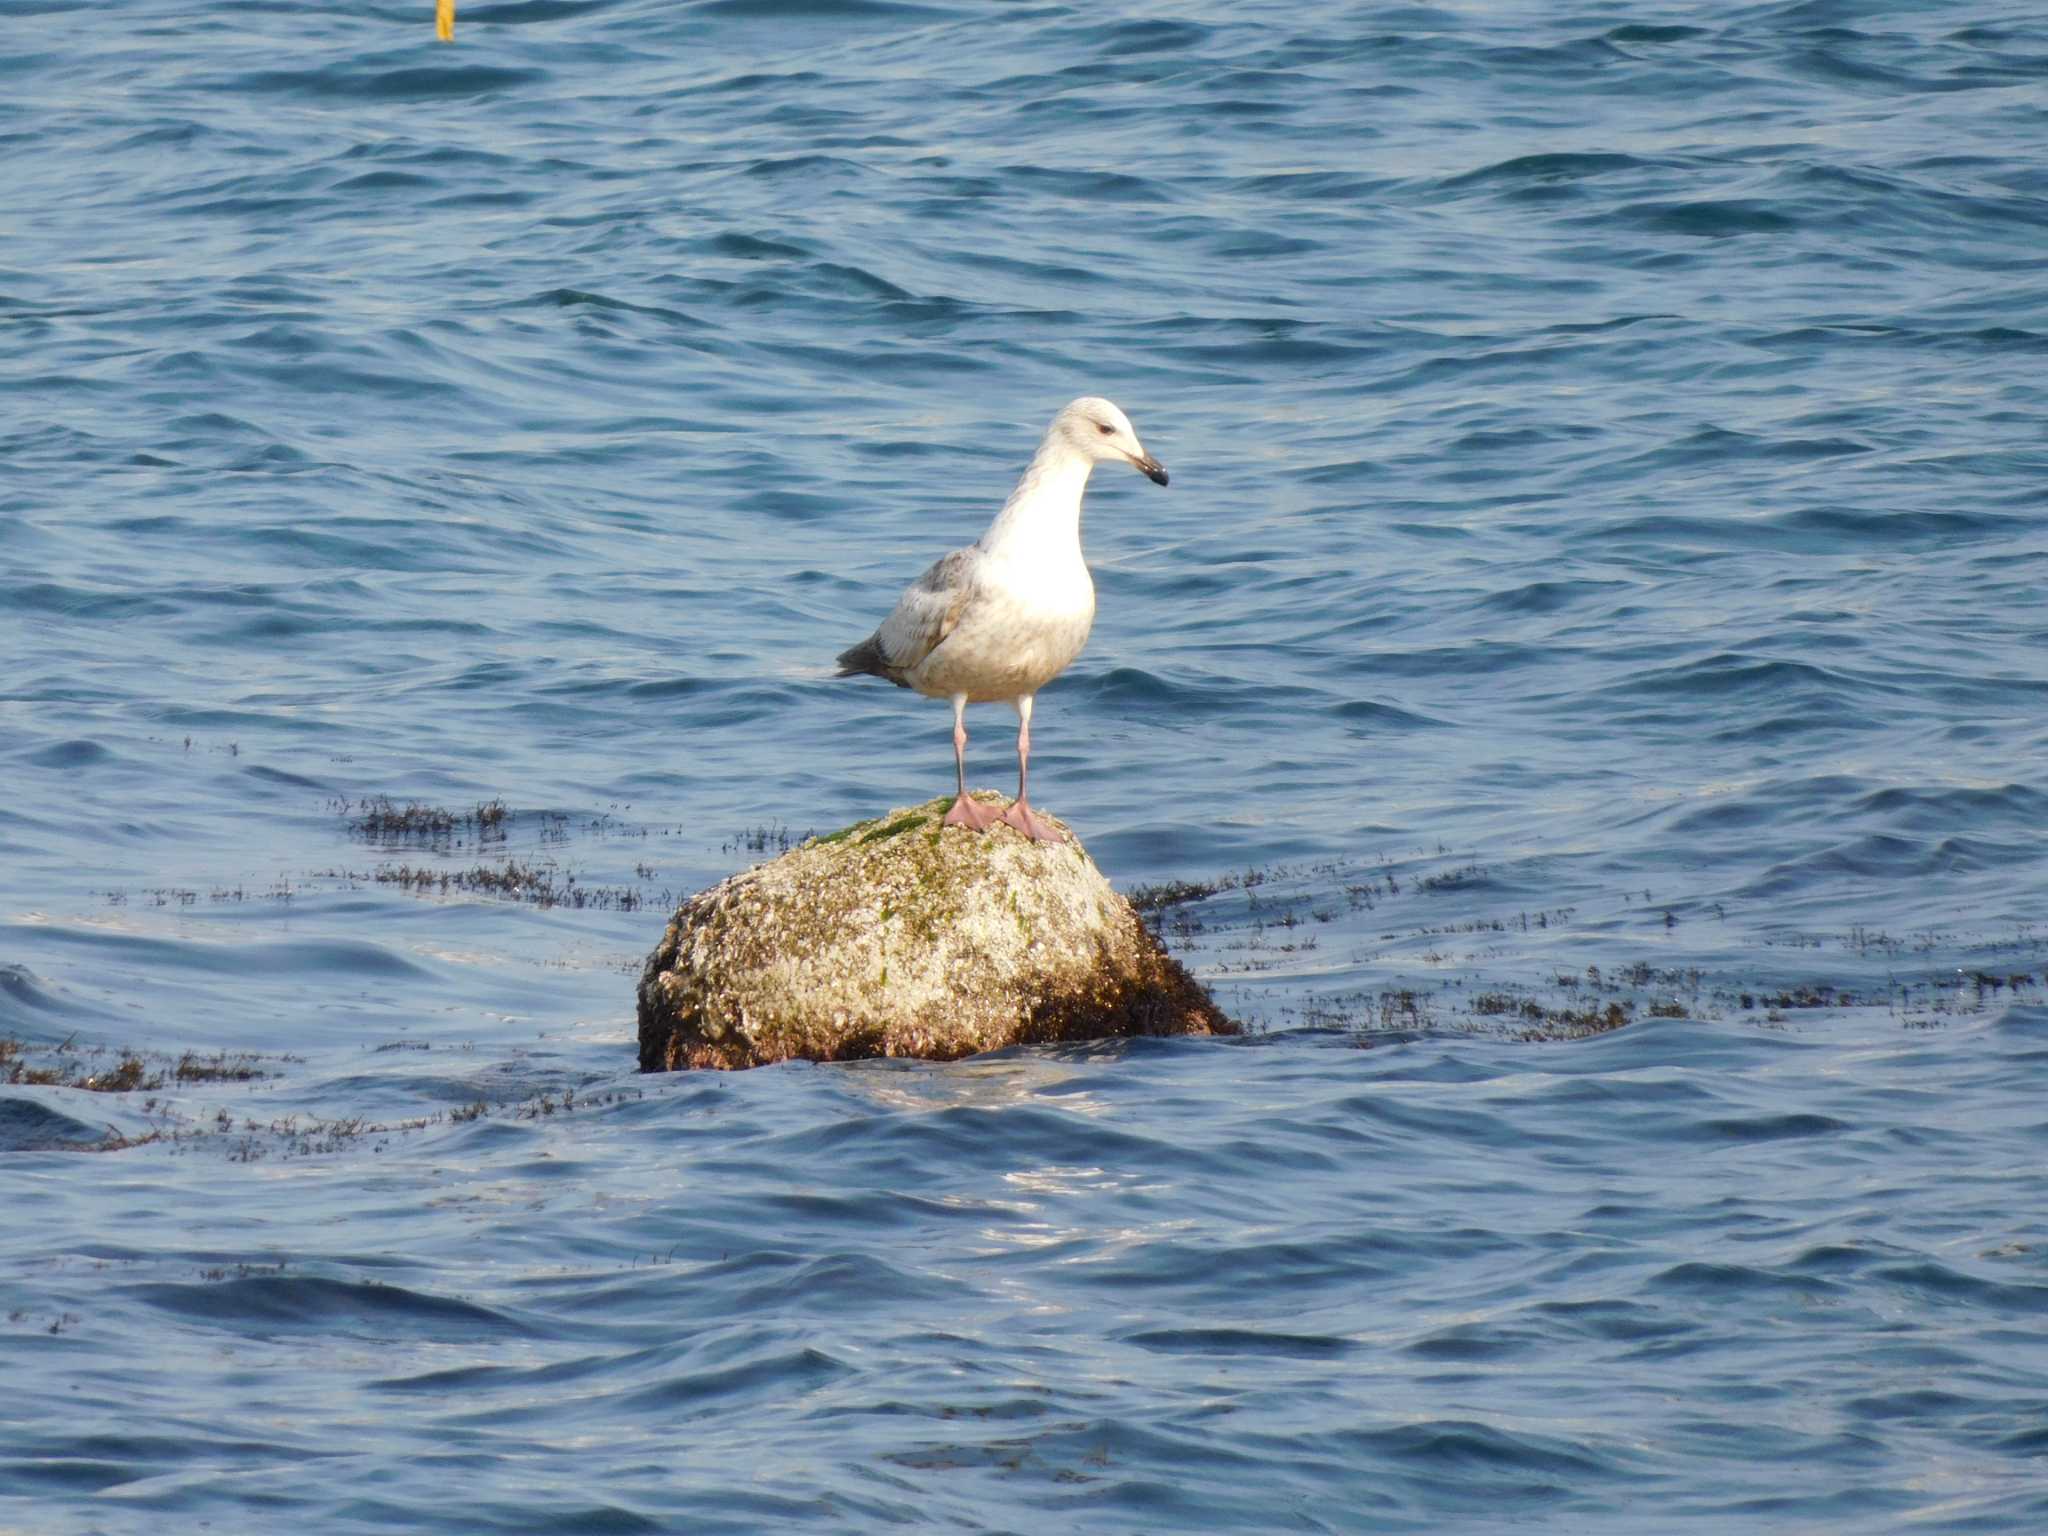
pixel 1151 469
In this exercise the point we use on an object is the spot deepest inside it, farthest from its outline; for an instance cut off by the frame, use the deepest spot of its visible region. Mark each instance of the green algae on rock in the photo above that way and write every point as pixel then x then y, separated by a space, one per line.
pixel 903 937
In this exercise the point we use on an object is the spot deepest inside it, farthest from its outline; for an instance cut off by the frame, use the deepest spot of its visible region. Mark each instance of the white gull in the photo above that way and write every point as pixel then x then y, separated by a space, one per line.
pixel 1003 617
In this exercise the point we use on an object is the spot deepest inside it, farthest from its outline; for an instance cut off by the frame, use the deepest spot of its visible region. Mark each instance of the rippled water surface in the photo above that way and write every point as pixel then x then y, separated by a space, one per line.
pixel 1588 669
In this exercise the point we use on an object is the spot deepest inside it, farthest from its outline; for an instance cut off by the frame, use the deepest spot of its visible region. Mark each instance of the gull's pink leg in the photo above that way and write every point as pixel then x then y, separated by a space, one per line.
pixel 1019 815
pixel 966 812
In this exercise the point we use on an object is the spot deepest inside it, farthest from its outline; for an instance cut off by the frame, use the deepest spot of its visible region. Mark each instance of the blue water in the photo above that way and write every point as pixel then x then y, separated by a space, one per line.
pixel 1600 585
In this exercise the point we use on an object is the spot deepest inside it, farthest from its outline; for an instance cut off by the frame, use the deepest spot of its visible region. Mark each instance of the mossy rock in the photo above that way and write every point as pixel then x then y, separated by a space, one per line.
pixel 903 937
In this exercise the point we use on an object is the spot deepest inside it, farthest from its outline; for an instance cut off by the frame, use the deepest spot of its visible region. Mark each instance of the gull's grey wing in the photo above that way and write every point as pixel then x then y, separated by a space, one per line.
pixel 924 616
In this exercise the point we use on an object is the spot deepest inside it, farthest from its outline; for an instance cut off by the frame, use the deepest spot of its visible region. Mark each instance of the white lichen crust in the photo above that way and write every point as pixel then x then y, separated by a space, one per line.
pixel 901 937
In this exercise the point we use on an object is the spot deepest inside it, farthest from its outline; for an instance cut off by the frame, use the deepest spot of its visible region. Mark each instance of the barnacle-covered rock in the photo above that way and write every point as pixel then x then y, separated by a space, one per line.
pixel 903 937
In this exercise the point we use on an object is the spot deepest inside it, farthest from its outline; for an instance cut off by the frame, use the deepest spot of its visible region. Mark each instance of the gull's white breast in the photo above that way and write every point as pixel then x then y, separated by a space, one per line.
pixel 1019 625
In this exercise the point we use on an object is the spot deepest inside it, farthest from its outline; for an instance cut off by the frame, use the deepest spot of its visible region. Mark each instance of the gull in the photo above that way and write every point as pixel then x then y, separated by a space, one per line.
pixel 1002 618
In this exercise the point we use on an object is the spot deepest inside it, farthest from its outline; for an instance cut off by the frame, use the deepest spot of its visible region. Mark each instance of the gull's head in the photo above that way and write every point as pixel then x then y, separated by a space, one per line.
pixel 1101 433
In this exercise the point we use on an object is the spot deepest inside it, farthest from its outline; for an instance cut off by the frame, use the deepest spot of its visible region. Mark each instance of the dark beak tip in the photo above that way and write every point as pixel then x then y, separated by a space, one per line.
pixel 1156 473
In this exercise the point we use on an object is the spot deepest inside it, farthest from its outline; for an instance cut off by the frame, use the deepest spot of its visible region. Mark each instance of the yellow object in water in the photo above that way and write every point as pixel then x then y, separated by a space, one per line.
pixel 444 20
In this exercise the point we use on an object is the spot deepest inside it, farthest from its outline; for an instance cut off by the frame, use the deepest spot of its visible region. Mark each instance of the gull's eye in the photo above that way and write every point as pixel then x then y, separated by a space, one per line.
pixel 1105 429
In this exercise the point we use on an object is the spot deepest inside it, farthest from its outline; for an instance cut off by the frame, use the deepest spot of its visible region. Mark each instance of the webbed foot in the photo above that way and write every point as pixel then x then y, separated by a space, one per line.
pixel 969 812
pixel 1031 824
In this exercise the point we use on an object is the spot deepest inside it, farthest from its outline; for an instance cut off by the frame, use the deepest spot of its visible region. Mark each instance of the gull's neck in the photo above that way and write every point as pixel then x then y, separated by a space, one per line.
pixel 1043 515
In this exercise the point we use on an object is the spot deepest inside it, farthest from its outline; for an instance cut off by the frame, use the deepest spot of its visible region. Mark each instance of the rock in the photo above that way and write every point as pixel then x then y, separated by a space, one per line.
pixel 900 937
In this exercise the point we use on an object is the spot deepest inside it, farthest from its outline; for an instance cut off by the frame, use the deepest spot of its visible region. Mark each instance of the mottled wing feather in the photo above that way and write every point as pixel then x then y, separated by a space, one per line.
pixel 928 610
pixel 926 613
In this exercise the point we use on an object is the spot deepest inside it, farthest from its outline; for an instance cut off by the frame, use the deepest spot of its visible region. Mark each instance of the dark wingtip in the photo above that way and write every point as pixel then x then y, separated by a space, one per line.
pixel 867 660
pixel 863 660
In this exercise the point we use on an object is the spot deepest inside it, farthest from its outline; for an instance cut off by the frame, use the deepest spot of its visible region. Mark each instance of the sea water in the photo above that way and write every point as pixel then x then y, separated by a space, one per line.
pixel 1581 700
